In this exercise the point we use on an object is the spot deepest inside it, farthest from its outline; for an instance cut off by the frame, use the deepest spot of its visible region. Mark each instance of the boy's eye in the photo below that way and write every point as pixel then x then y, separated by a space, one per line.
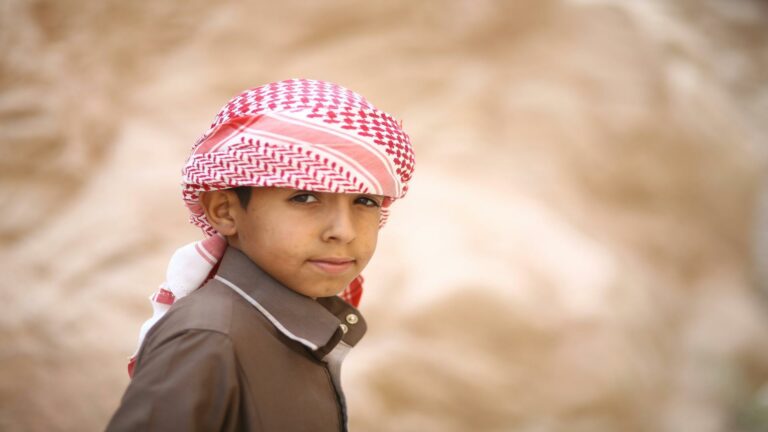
pixel 366 201
pixel 304 198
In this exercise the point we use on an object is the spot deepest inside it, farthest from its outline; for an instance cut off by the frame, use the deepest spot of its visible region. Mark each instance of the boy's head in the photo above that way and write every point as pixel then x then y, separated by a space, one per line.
pixel 299 175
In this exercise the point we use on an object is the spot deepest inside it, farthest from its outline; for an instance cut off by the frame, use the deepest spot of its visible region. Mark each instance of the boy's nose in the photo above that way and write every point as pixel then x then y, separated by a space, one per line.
pixel 339 226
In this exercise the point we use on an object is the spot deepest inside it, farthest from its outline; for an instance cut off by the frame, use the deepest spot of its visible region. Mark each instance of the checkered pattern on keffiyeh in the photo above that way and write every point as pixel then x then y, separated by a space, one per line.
pixel 300 134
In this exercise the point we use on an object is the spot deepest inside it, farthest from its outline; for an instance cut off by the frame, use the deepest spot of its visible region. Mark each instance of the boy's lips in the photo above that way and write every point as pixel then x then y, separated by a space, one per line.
pixel 333 265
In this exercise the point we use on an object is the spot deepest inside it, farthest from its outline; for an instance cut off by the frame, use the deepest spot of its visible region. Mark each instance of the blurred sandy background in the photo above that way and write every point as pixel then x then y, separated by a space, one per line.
pixel 584 249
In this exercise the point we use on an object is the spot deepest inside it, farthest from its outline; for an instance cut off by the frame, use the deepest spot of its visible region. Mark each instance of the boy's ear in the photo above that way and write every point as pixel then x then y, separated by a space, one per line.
pixel 220 207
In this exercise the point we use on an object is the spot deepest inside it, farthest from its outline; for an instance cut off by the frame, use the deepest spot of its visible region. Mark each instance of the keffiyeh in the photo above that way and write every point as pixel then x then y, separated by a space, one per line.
pixel 300 134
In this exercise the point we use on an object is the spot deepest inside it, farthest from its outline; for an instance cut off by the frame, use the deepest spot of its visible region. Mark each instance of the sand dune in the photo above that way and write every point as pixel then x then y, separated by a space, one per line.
pixel 582 248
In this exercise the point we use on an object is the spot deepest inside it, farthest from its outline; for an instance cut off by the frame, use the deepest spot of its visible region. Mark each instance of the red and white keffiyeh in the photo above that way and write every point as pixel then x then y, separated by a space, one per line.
pixel 300 134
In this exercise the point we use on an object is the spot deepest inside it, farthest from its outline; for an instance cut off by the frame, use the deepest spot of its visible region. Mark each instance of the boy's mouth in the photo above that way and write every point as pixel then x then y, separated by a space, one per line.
pixel 333 265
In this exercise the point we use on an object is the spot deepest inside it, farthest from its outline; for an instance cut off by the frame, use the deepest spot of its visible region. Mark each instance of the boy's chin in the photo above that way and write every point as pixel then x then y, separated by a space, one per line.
pixel 321 290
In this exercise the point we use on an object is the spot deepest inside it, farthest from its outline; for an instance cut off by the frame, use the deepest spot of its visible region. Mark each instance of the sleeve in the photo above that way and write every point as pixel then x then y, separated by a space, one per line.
pixel 188 382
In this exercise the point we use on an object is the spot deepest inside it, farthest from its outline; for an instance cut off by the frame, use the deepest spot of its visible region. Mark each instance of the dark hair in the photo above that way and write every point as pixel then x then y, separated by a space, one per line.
pixel 243 195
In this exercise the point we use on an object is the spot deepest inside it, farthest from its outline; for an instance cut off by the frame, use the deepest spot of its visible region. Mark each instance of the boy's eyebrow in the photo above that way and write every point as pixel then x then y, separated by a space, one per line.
pixel 378 198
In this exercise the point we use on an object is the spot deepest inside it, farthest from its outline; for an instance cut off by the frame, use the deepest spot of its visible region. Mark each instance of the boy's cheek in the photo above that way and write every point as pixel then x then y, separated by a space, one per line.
pixel 370 250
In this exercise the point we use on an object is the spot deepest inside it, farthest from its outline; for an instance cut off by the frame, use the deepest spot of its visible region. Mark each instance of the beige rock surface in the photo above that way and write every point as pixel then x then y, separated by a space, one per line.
pixel 577 252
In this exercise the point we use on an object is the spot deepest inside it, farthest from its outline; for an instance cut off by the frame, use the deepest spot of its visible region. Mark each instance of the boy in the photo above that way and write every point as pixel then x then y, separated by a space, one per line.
pixel 291 183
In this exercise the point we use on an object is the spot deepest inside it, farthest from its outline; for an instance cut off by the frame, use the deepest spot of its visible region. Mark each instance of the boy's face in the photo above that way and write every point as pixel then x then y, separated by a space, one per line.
pixel 313 243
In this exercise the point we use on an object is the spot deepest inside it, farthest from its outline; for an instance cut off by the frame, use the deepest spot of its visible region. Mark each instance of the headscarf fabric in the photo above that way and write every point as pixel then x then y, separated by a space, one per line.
pixel 301 134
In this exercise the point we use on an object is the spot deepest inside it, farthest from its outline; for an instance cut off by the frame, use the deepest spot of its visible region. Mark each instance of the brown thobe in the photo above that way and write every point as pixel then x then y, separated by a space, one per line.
pixel 242 353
